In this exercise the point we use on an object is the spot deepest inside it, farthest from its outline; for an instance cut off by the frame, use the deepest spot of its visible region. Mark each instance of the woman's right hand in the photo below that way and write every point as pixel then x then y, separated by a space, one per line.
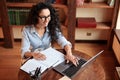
pixel 38 56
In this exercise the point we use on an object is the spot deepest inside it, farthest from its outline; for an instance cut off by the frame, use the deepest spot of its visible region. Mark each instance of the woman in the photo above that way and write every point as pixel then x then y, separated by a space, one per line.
pixel 42 30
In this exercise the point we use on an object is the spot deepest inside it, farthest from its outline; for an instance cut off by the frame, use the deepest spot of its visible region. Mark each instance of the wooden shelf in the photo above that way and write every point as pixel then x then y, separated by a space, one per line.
pixel 28 5
pixel 16 31
pixel 17 26
pixel 95 5
pixel 20 5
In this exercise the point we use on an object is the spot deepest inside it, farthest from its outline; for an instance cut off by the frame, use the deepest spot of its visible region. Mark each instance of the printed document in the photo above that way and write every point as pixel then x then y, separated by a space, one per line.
pixel 53 58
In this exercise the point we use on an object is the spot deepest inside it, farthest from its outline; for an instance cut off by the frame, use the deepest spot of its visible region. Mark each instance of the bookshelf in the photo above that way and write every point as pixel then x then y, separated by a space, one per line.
pixel 62 10
pixel 28 5
pixel 104 25
pixel 105 16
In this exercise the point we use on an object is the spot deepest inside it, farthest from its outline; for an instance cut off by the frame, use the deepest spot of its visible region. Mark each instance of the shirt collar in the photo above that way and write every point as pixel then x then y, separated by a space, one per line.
pixel 34 31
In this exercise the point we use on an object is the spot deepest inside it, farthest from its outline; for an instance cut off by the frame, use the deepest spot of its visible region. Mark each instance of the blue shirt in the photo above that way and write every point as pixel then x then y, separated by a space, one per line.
pixel 31 40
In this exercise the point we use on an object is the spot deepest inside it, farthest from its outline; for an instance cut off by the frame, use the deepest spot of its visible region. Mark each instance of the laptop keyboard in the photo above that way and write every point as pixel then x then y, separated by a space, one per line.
pixel 73 69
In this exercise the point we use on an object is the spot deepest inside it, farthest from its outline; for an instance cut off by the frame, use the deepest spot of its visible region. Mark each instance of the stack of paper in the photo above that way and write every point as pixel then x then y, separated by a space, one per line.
pixel 53 58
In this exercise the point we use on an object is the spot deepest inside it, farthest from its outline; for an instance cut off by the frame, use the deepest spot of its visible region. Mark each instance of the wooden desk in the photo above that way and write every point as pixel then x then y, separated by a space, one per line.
pixel 93 72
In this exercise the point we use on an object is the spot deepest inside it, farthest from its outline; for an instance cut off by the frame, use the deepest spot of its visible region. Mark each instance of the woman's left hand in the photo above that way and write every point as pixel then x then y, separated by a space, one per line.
pixel 72 58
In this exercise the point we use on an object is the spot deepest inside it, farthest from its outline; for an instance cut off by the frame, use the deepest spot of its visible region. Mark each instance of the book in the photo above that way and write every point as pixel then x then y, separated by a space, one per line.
pixel 111 2
pixel 86 22
pixel 79 2
pixel 18 16
pixel 53 58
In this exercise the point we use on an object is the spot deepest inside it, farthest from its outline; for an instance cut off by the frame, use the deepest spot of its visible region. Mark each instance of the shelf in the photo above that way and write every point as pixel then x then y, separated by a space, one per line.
pixel 17 26
pixel 20 5
pixel 16 31
pixel 91 34
pixel 29 5
pixel 101 32
pixel 95 5
pixel 100 25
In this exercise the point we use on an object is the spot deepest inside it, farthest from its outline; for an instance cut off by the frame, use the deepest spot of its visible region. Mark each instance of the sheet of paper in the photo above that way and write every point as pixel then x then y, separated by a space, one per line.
pixel 64 78
pixel 31 65
pixel 54 57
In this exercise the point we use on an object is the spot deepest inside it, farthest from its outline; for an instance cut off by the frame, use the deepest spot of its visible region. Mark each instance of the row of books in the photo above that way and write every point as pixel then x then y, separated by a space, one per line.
pixel 18 16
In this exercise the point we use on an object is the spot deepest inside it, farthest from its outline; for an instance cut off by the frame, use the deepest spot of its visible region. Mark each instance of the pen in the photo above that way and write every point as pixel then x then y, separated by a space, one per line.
pixel 39 71
pixel 36 71
pixel 39 74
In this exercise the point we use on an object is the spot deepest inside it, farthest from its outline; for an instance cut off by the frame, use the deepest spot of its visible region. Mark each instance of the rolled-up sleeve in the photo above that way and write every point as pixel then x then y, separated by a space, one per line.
pixel 25 47
pixel 62 41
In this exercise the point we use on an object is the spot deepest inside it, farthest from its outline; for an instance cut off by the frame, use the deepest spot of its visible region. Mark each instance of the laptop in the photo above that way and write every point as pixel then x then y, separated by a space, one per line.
pixel 70 70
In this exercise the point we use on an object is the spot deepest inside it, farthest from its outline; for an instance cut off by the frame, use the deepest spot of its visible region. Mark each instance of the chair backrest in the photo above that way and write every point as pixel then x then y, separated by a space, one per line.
pixel 62 11
pixel 69 14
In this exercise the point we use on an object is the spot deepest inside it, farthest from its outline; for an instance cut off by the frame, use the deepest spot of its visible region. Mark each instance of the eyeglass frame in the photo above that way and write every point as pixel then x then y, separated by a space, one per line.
pixel 43 18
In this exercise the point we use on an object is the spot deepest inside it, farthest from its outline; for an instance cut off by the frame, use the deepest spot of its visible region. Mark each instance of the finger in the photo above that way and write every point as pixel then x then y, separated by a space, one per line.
pixel 77 60
pixel 42 57
pixel 67 61
pixel 75 63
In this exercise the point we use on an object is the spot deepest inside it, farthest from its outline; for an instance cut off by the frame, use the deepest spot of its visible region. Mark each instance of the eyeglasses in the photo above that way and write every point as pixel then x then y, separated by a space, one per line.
pixel 43 18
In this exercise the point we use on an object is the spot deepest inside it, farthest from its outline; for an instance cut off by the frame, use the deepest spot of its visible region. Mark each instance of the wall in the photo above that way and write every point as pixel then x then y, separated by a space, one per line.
pixel 100 14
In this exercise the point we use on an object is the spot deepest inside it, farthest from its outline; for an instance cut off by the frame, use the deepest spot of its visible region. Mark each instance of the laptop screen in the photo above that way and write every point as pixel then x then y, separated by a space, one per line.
pixel 70 70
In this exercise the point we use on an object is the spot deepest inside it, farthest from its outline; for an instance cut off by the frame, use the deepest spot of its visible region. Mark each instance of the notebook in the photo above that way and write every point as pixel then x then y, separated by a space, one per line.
pixel 69 70
pixel 53 58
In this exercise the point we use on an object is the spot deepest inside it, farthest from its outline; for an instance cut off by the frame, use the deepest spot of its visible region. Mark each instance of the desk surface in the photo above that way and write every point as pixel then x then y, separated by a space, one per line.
pixel 93 72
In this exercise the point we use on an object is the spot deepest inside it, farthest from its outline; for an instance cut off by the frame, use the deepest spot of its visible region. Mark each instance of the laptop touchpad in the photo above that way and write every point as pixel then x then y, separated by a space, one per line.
pixel 61 67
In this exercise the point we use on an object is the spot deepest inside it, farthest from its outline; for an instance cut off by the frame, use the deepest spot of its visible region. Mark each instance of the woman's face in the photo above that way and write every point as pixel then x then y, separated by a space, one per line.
pixel 44 17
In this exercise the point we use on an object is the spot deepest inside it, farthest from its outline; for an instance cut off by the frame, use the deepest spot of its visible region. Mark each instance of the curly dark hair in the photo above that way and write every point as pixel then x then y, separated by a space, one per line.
pixel 54 23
